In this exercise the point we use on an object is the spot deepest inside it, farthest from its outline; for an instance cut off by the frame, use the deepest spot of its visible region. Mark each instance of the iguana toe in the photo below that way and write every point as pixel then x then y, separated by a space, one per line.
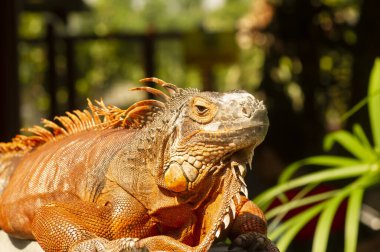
pixel 254 242
pixel 103 245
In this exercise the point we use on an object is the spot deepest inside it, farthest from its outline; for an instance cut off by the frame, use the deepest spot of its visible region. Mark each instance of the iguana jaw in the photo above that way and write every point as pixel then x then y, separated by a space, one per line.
pixel 186 171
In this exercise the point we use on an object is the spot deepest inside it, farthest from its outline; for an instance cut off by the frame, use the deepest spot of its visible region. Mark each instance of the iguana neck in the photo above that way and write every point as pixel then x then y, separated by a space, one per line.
pixel 220 209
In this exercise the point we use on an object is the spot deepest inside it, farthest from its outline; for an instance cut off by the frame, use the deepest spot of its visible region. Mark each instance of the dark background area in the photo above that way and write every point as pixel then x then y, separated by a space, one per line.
pixel 309 60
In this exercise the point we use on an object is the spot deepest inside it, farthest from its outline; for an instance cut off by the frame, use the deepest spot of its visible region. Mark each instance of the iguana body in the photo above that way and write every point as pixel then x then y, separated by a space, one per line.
pixel 160 175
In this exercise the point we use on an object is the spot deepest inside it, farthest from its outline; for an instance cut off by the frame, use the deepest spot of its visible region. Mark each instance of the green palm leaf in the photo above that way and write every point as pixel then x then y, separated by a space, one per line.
pixel 266 198
pixel 364 167
pixel 331 161
pixel 374 103
pixel 352 215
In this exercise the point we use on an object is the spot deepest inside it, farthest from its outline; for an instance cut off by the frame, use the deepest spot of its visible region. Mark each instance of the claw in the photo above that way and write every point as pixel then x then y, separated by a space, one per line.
pixel 242 170
pixel 238 199
pixel 233 166
pixel 103 245
pixel 234 172
pixel 233 209
pixel 249 166
pixel 226 220
pixel 254 241
pixel 242 181
pixel 244 190
pixel 217 234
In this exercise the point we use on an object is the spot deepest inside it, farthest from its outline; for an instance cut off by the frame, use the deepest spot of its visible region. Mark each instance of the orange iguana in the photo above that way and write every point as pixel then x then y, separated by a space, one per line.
pixel 161 175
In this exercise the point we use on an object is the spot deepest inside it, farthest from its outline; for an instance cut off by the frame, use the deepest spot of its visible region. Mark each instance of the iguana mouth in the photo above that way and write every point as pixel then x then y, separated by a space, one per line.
pixel 238 160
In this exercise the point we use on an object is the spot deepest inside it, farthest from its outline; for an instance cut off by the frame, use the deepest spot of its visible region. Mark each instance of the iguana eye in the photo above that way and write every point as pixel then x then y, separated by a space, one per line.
pixel 202 110
pixel 201 106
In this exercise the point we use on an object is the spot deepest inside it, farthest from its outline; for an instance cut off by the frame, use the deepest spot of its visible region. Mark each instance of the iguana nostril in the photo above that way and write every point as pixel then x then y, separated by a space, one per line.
pixel 261 115
pixel 246 111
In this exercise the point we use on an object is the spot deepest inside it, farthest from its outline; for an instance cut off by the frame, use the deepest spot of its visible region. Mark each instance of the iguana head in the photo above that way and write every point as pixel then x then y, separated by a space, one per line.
pixel 205 134
pixel 208 132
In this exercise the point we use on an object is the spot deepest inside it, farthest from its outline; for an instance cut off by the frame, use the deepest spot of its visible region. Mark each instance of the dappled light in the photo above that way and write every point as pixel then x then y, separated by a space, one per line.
pixel 310 61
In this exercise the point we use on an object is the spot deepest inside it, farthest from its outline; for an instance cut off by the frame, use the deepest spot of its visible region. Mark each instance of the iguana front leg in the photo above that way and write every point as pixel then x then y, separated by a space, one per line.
pixel 104 245
pixel 249 229
pixel 86 226
pixel 56 227
pixel 82 226
pixel 164 243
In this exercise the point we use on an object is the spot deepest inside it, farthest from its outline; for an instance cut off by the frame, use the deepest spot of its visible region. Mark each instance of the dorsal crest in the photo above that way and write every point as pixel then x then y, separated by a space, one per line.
pixel 98 116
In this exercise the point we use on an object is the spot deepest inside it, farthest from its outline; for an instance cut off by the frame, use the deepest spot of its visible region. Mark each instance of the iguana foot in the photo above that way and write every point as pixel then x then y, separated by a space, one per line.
pixel 254 242
pixel 104 245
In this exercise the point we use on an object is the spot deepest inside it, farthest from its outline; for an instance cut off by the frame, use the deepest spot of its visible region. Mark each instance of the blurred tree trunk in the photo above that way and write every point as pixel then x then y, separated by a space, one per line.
pixel 9 92
pixel 308 46
pixel 295 135
pixel 367 49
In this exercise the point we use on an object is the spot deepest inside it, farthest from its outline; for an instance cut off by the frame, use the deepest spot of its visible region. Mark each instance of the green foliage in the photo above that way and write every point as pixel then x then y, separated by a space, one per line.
pixel 374 104
pixel 362 170
pixel 109 16
pixel 103 64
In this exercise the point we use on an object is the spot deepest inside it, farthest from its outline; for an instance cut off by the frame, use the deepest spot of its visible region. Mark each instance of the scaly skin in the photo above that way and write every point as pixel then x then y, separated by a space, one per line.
pixel 162 176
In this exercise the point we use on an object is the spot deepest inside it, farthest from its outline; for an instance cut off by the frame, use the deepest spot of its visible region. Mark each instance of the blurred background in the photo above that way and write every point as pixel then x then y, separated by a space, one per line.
pixel 309 60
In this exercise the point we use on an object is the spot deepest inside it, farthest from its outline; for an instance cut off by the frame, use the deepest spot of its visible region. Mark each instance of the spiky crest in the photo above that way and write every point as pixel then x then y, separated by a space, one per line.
pixel 99 116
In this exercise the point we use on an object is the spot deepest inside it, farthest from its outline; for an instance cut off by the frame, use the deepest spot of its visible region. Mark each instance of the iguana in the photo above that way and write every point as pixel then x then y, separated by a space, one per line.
pixel 165 174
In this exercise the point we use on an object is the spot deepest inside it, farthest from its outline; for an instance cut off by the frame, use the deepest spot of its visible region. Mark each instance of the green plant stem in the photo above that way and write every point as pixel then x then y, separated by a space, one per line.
pixel 264 199
pixel 299 203
pixel 331 161
pixel 352 220
pixel 374 103
pixel 275 222
pixel 292 226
